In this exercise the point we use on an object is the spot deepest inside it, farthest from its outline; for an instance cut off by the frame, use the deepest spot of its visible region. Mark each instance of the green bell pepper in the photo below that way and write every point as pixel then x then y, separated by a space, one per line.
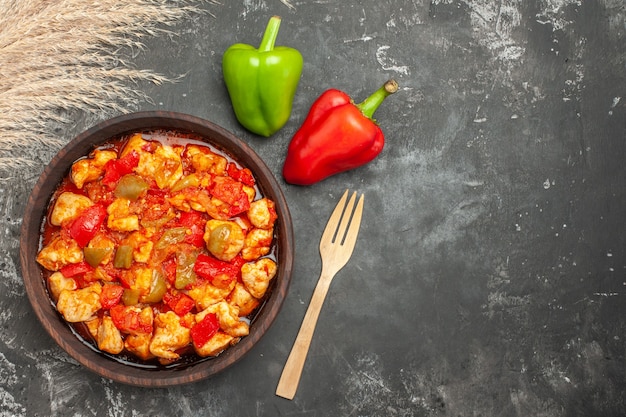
pixel 262 82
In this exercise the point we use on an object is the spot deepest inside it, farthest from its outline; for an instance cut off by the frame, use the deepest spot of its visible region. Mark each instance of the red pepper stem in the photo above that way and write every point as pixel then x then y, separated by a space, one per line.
pixel 370 104
pixel 271 32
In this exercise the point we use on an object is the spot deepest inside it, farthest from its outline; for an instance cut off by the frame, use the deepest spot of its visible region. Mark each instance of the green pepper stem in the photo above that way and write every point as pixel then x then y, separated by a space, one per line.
pixel 271 32
pixel 370 104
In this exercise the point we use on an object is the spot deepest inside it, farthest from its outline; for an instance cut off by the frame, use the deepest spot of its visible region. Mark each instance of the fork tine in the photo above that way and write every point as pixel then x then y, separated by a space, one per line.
pixel 355 224
pixel 345 220
pixel 333 221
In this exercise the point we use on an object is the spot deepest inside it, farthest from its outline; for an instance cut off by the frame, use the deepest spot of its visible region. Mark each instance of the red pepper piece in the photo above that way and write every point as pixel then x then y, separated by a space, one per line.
pixel 72 270
pixel 87 224
pixel 111 295
pixel 231 191
pixel 117 168
pixel 336 136
pixel 203 331
pixel 180 303
pixel 238 262
pixel 243 175
pixel 169 267
pixel 209 268
pixel 196 223
pixel 128 320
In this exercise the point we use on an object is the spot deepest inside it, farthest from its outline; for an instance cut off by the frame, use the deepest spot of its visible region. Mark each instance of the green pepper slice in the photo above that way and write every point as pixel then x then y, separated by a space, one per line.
pixel 190 180
pixel 123 257
pixel 130 186
pixel 130 296
pixel 170 237
pixel 95 256
pixel 184 269
pixel 158 287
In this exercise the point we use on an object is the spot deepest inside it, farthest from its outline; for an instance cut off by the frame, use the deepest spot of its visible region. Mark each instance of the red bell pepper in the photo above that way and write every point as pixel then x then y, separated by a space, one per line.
pixel 195 222
pixel 231 191
pixel 180 303
pixel 169 269
pixel 209 268
pixel 111 295
pixel 87 224
pixel 117 168
pixel 243 175
pixel 73 270
pixel 336 136
pixel 203 331
pixel 129 320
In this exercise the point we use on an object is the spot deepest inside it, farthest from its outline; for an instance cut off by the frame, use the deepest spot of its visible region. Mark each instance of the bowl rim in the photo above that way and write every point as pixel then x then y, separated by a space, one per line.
pixel 35 212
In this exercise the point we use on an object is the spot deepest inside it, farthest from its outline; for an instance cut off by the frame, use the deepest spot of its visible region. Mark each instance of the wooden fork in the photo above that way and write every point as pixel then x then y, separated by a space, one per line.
pixel 336 247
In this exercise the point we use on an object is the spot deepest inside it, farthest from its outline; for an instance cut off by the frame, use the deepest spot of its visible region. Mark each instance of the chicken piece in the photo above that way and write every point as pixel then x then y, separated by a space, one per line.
pixel 206 294
pixel 215 345
pixel 57 283
pixel 170 166
pixel 141 244
pixel 262 213
pixel 224 239
pixel 90 169
pixel 257 275
pixel 199 199
pixel 80 305
pixel 109 337
pixel 61 251
pixel 92 327
pixel 250 192
pixel 164 165
pixel 140 278
pixel 228 317
pixel 139 345
pixel 181 202
pixel 99 274
pixel 147 316
pixel 169 336
pixel 257 243
pixel 120 217
pixel 204 160
pixel 67 207
pixel 135 143
pixel 191 198
pixel 243 300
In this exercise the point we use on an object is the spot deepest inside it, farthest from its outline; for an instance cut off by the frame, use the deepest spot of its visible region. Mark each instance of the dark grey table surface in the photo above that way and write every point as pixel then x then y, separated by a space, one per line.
pixel 489 278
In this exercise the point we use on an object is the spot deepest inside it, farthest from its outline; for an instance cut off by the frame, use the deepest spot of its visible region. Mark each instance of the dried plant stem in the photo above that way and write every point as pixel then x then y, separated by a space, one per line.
pixel 58 57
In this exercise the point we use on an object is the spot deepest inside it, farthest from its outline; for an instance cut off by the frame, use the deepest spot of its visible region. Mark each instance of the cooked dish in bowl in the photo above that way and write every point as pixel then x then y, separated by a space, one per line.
pixel 158 246
pixel 167 246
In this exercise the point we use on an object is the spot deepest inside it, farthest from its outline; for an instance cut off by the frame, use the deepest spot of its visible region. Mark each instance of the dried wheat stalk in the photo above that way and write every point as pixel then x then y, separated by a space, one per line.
pixel 58 57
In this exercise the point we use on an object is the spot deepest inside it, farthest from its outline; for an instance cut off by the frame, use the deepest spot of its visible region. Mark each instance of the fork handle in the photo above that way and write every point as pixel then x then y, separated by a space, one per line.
pixel 290 378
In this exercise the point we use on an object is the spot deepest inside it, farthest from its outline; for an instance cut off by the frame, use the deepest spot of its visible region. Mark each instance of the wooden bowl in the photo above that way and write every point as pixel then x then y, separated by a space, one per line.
pixel 32 272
